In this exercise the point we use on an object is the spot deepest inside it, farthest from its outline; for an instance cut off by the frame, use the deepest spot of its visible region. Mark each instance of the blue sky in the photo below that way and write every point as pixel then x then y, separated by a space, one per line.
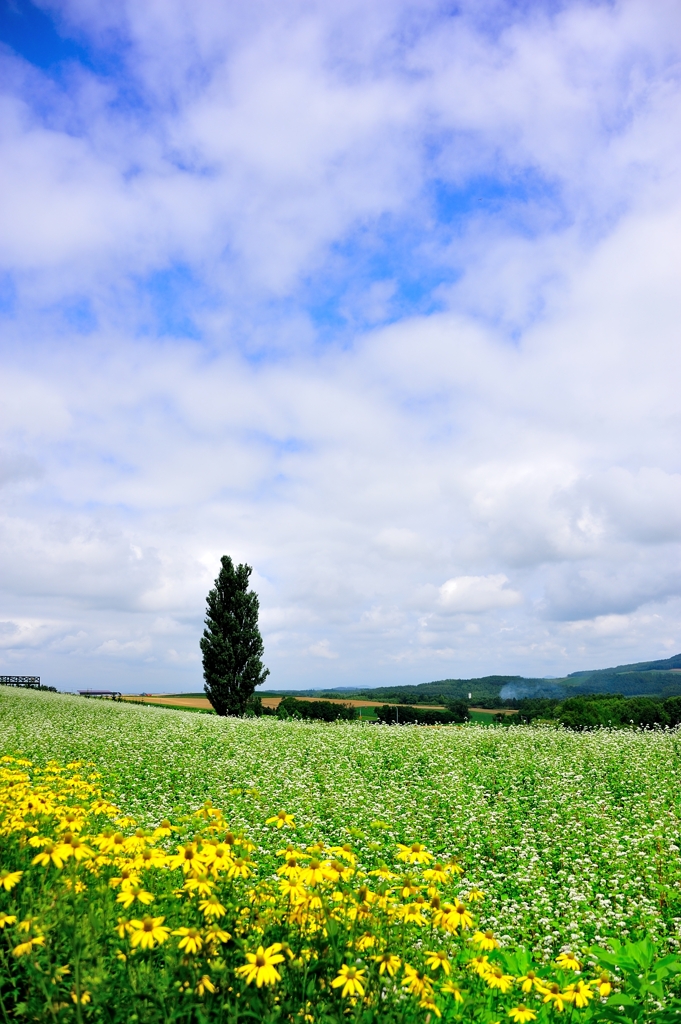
pixel 384 303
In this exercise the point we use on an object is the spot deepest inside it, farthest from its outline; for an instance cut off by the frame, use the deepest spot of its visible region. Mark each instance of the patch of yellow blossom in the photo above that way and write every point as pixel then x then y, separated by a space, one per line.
pixel 53 810
pixel 260 967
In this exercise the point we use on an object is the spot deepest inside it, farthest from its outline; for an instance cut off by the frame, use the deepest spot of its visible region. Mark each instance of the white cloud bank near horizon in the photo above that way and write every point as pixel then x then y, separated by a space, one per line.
pixel 384 302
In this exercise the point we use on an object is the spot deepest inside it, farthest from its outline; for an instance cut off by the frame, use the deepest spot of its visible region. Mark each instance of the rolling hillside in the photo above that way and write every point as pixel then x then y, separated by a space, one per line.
pixel 660 678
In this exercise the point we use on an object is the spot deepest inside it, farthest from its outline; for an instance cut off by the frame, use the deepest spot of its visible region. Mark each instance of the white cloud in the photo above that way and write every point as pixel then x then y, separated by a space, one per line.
pixel 117 648
pixel 322 649
pixel 517 422
pixel 477 594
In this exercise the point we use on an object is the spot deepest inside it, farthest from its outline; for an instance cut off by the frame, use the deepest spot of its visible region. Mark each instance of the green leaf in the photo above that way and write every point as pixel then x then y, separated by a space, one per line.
pixel 643 952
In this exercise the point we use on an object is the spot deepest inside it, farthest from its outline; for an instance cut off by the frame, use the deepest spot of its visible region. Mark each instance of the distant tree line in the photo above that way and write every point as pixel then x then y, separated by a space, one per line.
pixel 588 711
pixel 456 711
pixel 485 691
pixel 582 712
pixel 629 684
pixel 306 710
pixel 328 711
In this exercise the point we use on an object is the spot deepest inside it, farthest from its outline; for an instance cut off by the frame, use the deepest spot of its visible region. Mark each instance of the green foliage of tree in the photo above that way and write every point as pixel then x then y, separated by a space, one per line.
pixel 315 711
pixel 530 709
pixel 594 710
pixel 673 708
pixel 254 708
pixel 459 710
pixel 408 714
pixel 443 690
pixel 231 644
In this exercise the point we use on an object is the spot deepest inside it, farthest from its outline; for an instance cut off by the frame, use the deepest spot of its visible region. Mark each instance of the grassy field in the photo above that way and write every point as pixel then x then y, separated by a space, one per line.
pixel 466 873
pixel 571 836
pixel 195 702
pixel 366 710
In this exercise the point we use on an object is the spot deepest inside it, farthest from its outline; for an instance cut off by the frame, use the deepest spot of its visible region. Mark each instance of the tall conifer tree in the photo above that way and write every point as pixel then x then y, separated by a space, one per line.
pixel 231 644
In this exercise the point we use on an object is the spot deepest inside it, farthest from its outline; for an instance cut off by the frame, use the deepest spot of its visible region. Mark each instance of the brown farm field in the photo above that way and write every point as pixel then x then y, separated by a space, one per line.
pixel 203 704
pixel 268 702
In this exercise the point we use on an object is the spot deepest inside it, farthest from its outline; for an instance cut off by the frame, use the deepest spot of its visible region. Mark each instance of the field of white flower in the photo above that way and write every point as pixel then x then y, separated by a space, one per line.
pixel 572 836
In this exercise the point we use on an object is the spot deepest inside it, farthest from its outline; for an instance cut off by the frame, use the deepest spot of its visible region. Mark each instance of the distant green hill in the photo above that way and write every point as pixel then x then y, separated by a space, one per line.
pixel 486 688
pixel 660 678
pixel 629 684
pixel 667 665
pixel 482 690
pixel 642 683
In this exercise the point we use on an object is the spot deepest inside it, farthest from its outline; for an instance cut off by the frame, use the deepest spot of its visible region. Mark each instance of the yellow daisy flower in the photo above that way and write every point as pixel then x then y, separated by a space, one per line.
pixel 212 907
pixel 240 868
pixel 163 830
pixel 128 877
pixel 552 994
pixel 204 985
pixel 122 928
pixel 579 994
pixel 568 962
pixel 294 891
pixel 414 854
pixel 150 858
pixel 480 965
pixel 485 940
pixel 260 967
pixel 148 932
pixel 345 852
pixel 388 962
pixel 456 916
pixel 352 979
pixel 8 879
pixel 520 1014
pixel 313 873
pixel 604 985
pixel 529 981
pixel 134 892
pixel 418 983
pixel 495 978
pixel 335 870
pixel 437 873
pixel 26 947
pixel 438 960
pixel 412 913
pixel 190 941
pixel 187 858
pixel 407 886
pixel 199 882
pixel 384 873
pixel 78 848
pixel 290 869
pixel 280 819
pixel 453 990
pixel 71 820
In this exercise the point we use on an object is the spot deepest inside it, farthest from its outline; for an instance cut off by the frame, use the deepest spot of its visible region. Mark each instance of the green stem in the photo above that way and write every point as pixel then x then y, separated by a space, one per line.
pixel 2 1005
pixel 76 944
